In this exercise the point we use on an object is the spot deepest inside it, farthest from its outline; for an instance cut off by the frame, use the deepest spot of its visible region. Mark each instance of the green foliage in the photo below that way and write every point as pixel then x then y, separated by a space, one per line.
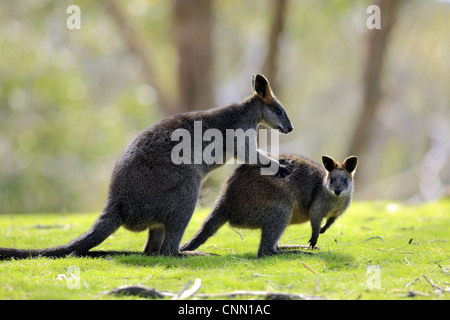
pixel 405 242
pixel 70 100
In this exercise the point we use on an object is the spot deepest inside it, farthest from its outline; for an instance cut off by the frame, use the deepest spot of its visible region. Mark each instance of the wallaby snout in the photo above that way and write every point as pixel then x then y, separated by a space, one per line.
pixel 286 128
pixel 290 127
pixel 276 118
pixel 339 185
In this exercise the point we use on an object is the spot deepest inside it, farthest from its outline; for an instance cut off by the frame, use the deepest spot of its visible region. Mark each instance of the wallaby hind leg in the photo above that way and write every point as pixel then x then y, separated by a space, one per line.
pixel 175 227
pixel 270 234
pixel 155 240
pixel 174 230
pixel 212 223
pixel 172 240
pixel 182 206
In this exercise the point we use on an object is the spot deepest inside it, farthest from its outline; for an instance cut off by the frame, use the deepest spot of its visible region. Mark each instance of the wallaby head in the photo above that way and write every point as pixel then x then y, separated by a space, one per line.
pixel 340 175
pixel 273 113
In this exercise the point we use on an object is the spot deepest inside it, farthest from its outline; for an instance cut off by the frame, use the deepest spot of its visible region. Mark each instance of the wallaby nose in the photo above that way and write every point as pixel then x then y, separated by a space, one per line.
pixel 337 192
pixel 290 127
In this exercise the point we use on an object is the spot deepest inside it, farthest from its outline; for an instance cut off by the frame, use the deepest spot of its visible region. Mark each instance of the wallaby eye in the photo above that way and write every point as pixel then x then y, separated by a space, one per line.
pixel 278 112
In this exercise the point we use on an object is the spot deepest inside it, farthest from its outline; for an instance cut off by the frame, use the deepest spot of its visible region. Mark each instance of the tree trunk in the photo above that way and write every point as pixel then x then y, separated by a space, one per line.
pixel 270 64
pixel 377 44
pixel 193 38
pixel 135 45
pixel 360 141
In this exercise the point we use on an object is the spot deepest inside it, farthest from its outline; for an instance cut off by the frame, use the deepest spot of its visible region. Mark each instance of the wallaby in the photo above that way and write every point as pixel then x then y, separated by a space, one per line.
pixel 148 191
pixel 310 192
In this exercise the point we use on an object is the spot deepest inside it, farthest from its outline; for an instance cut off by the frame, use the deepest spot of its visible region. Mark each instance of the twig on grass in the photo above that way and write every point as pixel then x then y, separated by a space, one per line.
pixel 152 293
pixel 148 278
pixel 140 291
pixel 185 293
pixel 261 294
pixel 242 237
pixel 405 252
pixel 178 295
pixel 260 275
pixel 432 284
pixel 412 293
pixel 309 268
pixel 376 237
pixel 443 269
pixel 412 282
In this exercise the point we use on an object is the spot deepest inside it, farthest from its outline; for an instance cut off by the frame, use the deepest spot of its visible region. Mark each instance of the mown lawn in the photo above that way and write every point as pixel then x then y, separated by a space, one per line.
pixel 374 251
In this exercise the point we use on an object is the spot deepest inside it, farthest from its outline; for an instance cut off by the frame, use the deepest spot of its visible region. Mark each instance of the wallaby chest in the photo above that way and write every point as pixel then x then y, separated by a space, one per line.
pixel 337 207
pixel 298 215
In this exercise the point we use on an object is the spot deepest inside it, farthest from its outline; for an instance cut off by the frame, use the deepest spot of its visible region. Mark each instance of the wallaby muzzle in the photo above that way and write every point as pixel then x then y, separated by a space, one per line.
pixel 286 129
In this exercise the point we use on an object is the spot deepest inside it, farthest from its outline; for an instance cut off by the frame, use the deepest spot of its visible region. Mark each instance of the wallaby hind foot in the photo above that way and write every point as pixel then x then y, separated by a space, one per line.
pixel 277 252
pixel 102 254
pixel 186 254
pixel 154 241
pixel 197 253
pixel 296 246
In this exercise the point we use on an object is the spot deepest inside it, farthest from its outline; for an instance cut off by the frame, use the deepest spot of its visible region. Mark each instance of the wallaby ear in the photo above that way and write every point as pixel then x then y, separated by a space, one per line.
pixel 261 87
pixel 350 163
pixel 329 163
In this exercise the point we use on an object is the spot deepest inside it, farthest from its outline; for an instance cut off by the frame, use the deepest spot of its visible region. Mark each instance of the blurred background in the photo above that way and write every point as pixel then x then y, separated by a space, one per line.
pixel 71 99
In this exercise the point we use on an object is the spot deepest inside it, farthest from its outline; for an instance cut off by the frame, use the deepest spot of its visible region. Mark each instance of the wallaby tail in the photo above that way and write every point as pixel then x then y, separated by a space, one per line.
pixel 212 223
pixel 105 225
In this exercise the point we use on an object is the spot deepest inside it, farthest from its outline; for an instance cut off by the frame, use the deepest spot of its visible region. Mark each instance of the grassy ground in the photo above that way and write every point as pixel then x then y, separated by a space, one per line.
pixel 374 251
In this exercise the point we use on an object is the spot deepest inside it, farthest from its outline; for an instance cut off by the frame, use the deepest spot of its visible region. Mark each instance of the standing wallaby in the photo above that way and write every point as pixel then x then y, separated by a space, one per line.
pixel 251 200
pixel 148 191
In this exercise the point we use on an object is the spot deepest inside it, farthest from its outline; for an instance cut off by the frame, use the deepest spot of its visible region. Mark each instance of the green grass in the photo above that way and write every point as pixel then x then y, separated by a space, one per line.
pixel 341 267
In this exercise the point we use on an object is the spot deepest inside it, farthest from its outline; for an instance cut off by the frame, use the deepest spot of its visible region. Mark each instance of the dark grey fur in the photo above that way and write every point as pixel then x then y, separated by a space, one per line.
pixel 149 192
pixel 310 193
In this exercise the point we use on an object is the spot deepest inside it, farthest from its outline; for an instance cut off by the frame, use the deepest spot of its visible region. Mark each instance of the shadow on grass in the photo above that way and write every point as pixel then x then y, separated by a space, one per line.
pixel 333 259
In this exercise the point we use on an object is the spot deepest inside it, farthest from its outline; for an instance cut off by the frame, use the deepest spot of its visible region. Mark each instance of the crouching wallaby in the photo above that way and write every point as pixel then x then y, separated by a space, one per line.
pixel 309 193
pixel 150 189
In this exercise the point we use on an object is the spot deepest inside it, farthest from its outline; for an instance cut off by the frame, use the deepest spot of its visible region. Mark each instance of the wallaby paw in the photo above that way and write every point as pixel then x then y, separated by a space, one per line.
pixel 292 247
pixel 297 252
pixel 283 171
pixel 281 252
pixel 185 247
